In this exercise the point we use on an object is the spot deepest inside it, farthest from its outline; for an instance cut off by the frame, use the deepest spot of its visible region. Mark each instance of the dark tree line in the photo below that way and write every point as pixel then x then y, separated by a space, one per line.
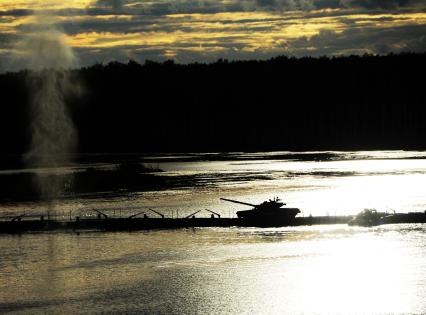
pixel 355 102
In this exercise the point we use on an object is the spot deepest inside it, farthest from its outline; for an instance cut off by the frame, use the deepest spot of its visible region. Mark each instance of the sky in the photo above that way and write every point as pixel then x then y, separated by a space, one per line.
pixel 205 30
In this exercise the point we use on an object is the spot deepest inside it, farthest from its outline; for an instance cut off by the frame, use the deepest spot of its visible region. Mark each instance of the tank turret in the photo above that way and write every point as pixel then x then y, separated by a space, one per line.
pixel 274 203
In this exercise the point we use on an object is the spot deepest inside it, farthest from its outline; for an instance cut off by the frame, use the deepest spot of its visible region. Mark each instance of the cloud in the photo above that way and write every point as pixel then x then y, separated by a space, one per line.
pixel 16 12
pixel 168 7
pixel 284 4
pixel 113 4
pixel 205 30
pixel 362 40
pixel 265 3
pixel 326 42
pixel 382 4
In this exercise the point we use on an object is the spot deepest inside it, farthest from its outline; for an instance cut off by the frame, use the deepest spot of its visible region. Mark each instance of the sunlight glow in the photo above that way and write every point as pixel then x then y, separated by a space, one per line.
pixel 362 275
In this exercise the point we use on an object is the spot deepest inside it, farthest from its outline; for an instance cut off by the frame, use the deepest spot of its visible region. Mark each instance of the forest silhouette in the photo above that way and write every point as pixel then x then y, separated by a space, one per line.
pixel 340 103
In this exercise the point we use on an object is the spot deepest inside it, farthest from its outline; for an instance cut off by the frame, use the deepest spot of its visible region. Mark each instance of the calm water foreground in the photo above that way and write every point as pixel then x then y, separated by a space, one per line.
pixel 310 270
pixel 296 270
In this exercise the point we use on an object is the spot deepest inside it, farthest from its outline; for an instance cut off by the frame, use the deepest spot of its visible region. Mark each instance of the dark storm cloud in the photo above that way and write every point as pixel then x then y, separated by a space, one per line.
pixel 361 40
pixel 166 7
pixel 340 4
pixel 17 12
pixel 190 6
pixel 114 4
pixel 114 25
pixel 383 4
pixel 265 3
pixel 336 4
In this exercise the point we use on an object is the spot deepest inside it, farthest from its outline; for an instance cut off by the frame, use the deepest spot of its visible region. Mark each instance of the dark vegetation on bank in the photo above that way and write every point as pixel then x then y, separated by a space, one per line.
pixel 345 103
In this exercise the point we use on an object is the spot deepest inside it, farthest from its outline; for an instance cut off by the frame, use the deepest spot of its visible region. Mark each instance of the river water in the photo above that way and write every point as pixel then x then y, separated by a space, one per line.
pixel 332 269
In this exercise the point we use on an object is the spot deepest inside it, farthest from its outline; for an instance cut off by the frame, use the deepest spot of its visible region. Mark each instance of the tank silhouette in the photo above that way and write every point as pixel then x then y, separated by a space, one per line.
pixel 268 212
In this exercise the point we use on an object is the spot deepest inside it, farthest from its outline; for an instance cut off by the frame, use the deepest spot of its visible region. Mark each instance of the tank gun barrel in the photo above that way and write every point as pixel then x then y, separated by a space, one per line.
pixel 240 202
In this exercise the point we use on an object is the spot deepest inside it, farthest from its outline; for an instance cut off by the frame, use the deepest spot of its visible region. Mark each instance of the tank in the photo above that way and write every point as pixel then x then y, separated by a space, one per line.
pixel 267 213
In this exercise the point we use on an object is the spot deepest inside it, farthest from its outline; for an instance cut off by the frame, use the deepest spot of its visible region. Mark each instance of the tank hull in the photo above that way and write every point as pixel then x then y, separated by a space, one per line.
pixel 266 218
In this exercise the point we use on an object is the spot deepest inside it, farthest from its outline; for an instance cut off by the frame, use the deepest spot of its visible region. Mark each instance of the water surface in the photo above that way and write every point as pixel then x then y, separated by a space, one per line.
pixel 303 270
pixel 319 183
pixel 295 270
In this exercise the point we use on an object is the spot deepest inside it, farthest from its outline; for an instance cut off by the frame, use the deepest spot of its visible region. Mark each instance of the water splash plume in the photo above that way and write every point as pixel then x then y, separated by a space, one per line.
pixel 53 136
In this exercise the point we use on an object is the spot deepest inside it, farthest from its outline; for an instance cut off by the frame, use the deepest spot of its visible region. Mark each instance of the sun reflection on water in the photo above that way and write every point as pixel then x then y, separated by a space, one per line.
pixel 300 270
pixel 354 272
pixel 360 275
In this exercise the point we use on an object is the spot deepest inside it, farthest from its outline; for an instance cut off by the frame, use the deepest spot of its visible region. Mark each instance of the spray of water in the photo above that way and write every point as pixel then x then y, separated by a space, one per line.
pixel 53 136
